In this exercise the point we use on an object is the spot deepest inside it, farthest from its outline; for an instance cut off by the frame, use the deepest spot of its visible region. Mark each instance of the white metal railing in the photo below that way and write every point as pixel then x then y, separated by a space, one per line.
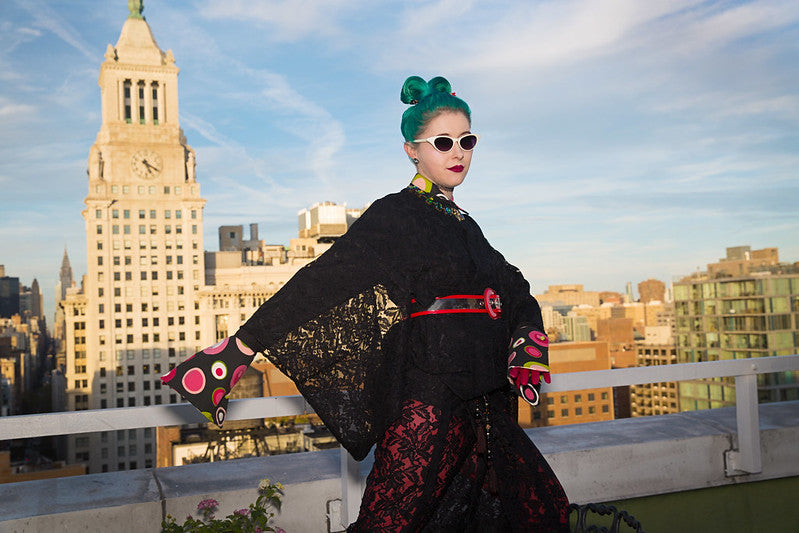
pixel 746 459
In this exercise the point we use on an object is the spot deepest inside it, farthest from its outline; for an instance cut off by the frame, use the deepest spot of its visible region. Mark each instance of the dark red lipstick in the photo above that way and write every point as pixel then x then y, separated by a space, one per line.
pixel 456 168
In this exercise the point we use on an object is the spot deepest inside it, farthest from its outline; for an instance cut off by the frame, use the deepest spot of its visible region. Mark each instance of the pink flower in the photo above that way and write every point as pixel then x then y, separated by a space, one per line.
pixel 208 504
pixel 242 512
pixel 279 530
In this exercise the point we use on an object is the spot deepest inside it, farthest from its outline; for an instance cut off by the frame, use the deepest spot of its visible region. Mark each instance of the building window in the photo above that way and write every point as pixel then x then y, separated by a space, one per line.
pixel 154 87
pixel 141 102
pixel 127 96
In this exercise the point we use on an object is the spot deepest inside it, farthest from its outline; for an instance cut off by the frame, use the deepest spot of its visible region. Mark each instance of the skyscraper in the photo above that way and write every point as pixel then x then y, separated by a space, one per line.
pixel 9 294
pixel 136 314
pixel 64 277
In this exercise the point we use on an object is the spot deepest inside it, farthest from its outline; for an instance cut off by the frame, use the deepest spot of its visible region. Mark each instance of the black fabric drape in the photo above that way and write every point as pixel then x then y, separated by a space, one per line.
pixel 339 327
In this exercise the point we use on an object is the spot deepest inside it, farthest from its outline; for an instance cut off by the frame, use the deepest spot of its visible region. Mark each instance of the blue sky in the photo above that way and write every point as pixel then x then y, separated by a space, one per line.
pixel 621 139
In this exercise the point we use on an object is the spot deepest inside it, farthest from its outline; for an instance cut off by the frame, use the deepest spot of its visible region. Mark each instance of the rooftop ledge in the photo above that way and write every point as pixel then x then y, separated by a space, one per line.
pixel 635 458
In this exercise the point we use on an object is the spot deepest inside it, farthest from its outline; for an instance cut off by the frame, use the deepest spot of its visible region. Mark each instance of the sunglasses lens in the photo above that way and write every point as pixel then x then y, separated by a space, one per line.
pixel 468 142
pixel 443 144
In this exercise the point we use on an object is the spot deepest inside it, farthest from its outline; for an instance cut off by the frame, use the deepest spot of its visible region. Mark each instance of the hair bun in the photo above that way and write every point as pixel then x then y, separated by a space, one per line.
pixel 439 84
pixel 413 90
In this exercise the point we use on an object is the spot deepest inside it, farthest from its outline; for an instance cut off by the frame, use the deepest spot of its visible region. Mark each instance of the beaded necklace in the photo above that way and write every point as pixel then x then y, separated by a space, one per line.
pixel 433 200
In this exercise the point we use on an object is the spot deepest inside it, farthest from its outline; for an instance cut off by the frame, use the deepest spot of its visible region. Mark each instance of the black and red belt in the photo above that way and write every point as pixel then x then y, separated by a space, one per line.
pixel 488 302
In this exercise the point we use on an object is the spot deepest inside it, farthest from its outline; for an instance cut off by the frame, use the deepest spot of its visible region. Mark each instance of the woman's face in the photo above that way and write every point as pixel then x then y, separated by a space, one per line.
pixel 448 169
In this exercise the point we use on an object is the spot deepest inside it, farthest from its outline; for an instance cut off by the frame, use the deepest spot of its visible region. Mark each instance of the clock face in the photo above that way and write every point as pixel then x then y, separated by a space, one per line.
pixel 146 164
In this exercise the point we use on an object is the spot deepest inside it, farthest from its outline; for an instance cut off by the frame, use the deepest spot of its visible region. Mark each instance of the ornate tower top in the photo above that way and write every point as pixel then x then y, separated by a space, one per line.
pixel 135 7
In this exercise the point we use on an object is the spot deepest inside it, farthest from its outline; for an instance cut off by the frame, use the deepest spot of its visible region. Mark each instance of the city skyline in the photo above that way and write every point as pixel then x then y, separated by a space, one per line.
pixel 636 140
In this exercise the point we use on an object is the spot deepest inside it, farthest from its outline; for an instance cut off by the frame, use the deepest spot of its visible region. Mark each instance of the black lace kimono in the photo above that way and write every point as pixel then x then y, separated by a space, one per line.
pixel 431 391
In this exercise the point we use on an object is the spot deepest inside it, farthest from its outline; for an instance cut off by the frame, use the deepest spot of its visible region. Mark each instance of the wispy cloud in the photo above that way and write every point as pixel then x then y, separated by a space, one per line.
pixel 49 19
pixel 287 20
pixel 8 109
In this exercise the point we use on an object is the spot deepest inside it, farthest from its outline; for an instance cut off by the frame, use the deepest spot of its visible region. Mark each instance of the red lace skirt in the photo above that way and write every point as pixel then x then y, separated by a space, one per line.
pixel 470 470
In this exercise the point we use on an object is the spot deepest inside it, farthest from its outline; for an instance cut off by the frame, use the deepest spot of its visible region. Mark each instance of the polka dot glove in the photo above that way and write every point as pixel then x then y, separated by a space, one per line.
pixel 528 362
pixel 206 378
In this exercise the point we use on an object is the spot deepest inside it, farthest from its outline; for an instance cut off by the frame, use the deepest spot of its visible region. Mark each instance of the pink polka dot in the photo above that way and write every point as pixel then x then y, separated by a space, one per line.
pixel 532 352
pixel 518 342
pixel 217 395
pixel 166 378
pixel 220 416
pixel 218 347
pixel 243 348
pixel 539 338
pixel 194 381
pixel 237 375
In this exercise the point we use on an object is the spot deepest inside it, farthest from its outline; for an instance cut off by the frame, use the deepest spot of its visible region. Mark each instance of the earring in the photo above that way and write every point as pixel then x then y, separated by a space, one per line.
pixel 415 161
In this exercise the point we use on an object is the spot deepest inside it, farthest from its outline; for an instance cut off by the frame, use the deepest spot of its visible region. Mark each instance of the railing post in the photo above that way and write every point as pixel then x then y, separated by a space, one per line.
pixel 747 458
pixel 350 488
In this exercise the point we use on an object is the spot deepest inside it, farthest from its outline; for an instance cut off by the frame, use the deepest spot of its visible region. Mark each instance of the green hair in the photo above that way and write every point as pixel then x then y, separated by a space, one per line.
pixel 427 99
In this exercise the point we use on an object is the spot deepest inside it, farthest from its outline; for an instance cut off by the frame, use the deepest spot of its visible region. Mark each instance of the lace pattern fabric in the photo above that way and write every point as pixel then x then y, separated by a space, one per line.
pixel 348 388
pixel 431 475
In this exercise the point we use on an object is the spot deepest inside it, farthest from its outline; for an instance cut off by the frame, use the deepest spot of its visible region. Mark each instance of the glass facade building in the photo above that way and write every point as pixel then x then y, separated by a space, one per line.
pixel 737 318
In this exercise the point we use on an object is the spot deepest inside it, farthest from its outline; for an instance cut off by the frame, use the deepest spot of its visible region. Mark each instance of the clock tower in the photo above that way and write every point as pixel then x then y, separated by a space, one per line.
pixel 145 263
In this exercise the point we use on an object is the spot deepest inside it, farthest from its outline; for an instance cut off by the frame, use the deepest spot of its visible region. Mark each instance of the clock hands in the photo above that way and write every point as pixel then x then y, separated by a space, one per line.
pixel 151 169
pixel 149 166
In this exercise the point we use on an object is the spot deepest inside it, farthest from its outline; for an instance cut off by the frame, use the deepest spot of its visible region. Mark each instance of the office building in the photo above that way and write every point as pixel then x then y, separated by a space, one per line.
pixel 651 290
pixel 9 294
pixel 135 314
pixel 657 348
pixel 722 317
pixel 568 295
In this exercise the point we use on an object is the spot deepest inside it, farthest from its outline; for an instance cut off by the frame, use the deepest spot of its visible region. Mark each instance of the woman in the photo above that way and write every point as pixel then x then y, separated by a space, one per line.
pixel 399 336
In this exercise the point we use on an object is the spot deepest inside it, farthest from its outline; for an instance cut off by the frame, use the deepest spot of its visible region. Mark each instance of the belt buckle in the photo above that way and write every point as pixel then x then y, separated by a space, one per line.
pixel 492 303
